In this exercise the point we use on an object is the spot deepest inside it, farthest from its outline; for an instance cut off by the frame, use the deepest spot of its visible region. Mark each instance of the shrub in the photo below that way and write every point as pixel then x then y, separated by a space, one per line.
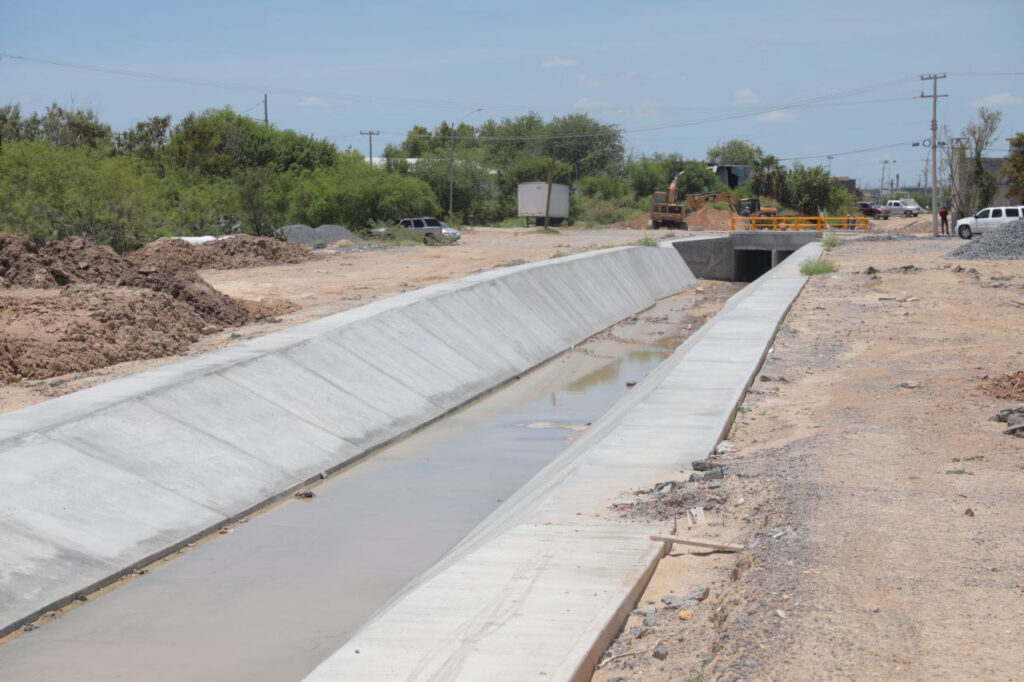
pixel 817 266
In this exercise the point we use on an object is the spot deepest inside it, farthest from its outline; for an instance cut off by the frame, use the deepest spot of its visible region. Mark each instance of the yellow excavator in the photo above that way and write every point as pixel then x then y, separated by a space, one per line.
pixel 668 211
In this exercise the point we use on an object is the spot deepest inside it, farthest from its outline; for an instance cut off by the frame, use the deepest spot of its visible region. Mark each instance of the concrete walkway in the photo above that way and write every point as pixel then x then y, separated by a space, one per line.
pixel 541 588
pixel 97 482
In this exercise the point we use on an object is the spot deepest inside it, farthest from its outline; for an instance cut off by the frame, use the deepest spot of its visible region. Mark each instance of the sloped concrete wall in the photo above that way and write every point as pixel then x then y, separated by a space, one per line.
pixel 95 483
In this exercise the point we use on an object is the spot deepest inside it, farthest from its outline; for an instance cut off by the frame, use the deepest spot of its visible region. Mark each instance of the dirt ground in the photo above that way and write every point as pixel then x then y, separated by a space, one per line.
pixel 879 504
pixel 79 315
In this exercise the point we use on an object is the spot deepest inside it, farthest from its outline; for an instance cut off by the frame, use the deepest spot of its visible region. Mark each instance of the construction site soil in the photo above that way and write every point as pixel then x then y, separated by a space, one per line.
pixel 74 306
pixel 871 482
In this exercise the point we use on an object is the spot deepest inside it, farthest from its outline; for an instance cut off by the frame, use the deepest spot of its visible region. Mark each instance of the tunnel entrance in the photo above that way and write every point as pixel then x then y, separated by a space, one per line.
pixel 749 265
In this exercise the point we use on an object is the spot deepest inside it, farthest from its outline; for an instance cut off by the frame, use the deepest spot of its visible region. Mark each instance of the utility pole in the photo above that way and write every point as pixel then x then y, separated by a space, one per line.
pixel 266 117
pixel 370 134
pixel 829 164
pixel 934 78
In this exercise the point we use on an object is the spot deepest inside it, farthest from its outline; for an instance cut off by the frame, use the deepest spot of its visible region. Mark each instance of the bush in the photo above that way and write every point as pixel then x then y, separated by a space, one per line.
pixel 829 241
pixel 817 266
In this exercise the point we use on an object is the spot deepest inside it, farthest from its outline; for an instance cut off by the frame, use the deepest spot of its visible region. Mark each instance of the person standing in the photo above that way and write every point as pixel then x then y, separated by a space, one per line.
pixel 944 216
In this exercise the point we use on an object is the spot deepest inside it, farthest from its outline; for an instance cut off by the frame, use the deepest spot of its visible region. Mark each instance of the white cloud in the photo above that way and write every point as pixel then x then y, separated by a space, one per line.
pixel 560 62
pixel 777 116
pixel 745 97
pixel 592 103
pixel 311 102
pixel 1002 99
pixel 587 82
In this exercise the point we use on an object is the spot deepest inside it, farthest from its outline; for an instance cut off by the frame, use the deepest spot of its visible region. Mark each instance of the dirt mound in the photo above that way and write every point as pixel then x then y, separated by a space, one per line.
pixel 709 218
pixel 236 251
pixel 76 260
pixel 1006 387
pixel 45 333
pixel 21 264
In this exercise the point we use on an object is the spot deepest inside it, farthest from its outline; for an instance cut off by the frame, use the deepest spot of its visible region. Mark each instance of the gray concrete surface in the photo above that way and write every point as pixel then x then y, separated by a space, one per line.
pixel 730 256
pixel 95 483
pixel 540 588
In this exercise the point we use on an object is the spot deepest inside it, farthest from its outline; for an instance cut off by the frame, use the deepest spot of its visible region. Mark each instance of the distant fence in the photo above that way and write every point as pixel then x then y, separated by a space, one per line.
pixel 797 223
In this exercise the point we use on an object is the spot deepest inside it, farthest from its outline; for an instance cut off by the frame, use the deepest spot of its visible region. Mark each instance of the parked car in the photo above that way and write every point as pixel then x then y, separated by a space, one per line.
pixel 433 230
pixel 869 210
pixel 988 219
pixel 907 207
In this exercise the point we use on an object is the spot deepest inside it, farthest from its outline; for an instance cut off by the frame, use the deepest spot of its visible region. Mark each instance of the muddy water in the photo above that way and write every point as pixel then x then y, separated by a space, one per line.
pixel 282 591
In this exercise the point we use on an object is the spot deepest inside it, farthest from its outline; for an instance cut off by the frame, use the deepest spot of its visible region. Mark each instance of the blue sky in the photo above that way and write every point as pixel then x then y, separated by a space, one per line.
pixel 667 73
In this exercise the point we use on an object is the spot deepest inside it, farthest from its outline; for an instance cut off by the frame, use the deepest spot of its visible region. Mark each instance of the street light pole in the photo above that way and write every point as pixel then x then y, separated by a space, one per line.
pixel 451 168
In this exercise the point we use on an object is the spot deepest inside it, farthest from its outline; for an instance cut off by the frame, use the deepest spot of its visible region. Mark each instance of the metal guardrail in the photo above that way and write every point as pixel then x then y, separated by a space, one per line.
pixel 797 223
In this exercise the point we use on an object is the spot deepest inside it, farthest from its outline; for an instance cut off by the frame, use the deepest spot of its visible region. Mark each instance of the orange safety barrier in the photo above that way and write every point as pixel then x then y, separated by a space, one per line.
pixel 797 223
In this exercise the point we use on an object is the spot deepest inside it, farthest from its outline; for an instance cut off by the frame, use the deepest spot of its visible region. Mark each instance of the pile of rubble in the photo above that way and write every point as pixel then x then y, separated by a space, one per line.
pixel 1006 243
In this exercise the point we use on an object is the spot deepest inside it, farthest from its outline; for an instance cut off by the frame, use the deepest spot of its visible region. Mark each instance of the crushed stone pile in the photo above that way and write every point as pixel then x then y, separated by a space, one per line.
pixel 236 251
pixel 325 234
pixel 1006 243
pixel 1014 420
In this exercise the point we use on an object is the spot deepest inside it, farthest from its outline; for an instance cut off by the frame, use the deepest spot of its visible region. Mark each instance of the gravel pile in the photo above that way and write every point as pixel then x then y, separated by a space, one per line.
pixel 325 234
pixel 1006 243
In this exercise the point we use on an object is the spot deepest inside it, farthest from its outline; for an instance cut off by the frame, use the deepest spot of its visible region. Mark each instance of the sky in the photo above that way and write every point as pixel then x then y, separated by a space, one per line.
pixel 676 77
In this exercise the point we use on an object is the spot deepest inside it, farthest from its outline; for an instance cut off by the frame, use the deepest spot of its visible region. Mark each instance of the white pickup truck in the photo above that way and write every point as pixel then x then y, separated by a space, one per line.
pixel 988 219
pixel 907 207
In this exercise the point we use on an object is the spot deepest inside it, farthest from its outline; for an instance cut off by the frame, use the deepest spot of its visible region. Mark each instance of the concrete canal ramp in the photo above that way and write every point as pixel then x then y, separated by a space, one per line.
pixel 541 588
pixel 98 482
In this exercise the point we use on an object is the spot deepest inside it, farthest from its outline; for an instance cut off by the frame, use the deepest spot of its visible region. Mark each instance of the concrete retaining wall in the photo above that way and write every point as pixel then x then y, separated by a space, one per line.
pixel 95 483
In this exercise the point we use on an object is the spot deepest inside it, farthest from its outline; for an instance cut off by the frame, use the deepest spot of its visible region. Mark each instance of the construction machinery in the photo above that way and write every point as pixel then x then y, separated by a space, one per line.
pixel 667 210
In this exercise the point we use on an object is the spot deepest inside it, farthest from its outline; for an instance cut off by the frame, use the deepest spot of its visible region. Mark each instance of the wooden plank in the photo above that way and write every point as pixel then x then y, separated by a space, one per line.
pixel 709 544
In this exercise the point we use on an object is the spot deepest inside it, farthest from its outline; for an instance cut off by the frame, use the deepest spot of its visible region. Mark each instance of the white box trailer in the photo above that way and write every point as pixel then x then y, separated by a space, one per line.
pixel 533 198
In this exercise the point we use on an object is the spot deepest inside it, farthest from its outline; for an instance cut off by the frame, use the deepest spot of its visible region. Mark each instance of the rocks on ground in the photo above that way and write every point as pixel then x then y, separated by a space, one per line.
pixel 1006 243
pixel 226 253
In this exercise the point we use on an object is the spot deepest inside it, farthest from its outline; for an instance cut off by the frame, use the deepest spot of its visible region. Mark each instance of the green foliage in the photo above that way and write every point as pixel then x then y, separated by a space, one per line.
pixel 1013 170
pixel 810 190
pixel 646 241
pixel 735 153
pixel 817 266
pixel 768 178
pixel 829 241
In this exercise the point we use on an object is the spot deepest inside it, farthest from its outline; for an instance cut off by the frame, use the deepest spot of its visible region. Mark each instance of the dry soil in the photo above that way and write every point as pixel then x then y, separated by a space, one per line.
pixel 879 504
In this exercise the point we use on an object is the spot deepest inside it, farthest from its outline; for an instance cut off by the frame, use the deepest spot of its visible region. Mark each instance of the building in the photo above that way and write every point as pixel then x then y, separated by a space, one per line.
pixel 732 176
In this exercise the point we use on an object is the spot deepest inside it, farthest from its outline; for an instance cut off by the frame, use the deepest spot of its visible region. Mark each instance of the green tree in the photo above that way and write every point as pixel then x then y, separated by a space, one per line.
pixel 1013 170
pixel 768 178
pixel 811 190
pixel 735 152
pixel 971 186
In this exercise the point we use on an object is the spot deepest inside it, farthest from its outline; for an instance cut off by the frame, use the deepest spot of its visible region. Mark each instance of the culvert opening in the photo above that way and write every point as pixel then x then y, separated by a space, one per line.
pixel 749 265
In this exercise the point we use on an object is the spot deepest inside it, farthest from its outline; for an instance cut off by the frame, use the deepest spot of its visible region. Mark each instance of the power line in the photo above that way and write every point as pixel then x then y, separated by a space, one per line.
pixel 852 151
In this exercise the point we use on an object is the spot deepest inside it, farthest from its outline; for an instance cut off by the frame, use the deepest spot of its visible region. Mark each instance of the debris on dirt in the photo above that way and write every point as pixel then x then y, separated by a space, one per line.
pixel 227 253
pixel 780 379
pixel 305 495
pixel 909 384
pixel 969 512
pixel 1006 387
pixel 870 270
pixel 1006 243
pixel 660 652
pixel 904 269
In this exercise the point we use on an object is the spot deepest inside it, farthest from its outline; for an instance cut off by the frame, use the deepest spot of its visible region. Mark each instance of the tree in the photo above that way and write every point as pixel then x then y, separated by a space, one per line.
pixel 1013 170
pixel 735 153
pixel 970 185
pixel 768 178
pixel 811 190
pixel 146 139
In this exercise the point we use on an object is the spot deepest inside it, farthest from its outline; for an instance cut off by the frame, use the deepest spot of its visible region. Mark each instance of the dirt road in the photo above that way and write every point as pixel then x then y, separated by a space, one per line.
pixel 880 503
